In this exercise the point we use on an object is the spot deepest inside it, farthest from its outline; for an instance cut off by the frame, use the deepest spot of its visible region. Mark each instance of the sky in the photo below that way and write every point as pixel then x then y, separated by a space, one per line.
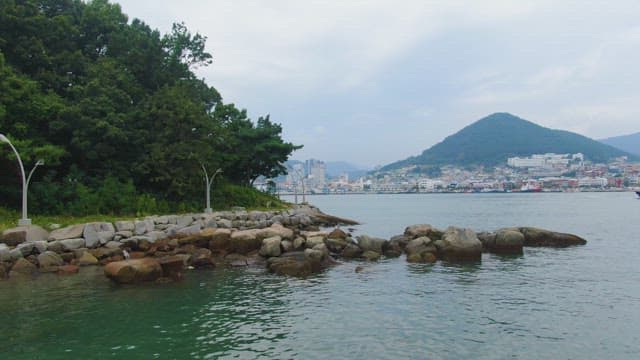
pixel 372 82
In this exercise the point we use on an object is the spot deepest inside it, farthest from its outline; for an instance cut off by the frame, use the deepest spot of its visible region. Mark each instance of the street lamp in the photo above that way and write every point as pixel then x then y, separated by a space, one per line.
pixel 208 210
pixel 25 182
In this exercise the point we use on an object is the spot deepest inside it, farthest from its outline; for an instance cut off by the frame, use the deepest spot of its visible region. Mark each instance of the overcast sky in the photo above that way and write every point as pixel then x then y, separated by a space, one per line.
pixel 371 82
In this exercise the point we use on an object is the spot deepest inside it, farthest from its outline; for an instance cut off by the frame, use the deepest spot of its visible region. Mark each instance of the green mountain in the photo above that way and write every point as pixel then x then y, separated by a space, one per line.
pixel 629 143
pixel 491 140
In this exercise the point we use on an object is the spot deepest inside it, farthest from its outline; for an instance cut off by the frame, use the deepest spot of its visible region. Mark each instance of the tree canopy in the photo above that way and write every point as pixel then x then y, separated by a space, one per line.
pixel 110 103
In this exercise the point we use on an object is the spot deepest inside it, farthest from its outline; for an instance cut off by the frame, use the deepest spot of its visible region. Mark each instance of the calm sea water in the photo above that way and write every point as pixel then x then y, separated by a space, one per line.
pixel 573 303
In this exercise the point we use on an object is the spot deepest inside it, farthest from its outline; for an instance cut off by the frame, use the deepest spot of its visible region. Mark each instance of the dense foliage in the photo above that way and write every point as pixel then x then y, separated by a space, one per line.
pixel 493 139
pixel 116 112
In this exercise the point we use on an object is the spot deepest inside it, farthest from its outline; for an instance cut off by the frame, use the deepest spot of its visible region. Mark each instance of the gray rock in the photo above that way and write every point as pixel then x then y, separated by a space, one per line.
pixel 271 247
pixel 190 230
pixel 368 243
pixel 461 244
pixel 20 234
pixel 113 245
pixel 371 255
pixel 26 248
pixel 124 234
pixel 541 237
pixel 224 223
pixel 314 254
pixel 69 232
pixel 125 226
pixel 184 221
pixel 56 246
pixel 143 227
pixel 98 233
pixel 41 246
pixel 313 241
pixel 415 231
pixel 157 235
pixel 70 244
pixel 287 245
pixel 15 254
pixel 298 242
pixel 4 253
pixel 351 251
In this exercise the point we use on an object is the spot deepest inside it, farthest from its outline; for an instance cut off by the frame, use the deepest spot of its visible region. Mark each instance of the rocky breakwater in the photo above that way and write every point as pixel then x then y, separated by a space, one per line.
pixel 162 247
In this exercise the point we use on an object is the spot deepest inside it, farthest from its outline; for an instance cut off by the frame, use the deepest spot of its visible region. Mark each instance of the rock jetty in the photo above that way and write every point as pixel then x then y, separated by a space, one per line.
pixel 290 242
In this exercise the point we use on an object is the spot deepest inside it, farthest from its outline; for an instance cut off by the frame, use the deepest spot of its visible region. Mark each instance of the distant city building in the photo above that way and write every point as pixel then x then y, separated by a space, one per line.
pixel 549 160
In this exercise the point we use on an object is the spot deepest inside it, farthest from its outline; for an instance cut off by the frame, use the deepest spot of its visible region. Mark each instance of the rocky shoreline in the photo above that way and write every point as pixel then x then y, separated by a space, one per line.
pixel 288 242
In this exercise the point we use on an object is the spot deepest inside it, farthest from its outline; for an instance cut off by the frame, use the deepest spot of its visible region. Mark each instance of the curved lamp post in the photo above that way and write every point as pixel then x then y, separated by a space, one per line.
pixel 25 181
pixel 208 209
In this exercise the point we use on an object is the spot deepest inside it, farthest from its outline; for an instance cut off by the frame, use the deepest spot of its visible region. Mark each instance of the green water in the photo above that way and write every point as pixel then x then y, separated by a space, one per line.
pixel 573 303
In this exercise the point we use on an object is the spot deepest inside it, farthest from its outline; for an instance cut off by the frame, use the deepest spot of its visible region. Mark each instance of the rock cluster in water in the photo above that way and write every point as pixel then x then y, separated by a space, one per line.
pixel 286 242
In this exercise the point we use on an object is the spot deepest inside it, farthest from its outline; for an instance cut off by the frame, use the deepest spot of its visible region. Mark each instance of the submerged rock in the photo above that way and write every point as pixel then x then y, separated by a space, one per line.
pixel 133 271
pixel 541 237
pixel 297 263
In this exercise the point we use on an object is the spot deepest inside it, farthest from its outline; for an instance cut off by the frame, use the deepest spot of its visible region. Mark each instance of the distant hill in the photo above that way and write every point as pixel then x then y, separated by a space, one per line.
pixel 491 140
pixel 629 143
pixel 337 168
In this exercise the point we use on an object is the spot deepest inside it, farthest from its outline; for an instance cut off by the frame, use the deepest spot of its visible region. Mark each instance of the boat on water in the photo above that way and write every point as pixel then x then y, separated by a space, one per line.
pixel 527 188
pixel 638 194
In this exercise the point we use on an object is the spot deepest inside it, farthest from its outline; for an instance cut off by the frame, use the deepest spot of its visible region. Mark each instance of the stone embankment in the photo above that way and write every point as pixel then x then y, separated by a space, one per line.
pixel 288 242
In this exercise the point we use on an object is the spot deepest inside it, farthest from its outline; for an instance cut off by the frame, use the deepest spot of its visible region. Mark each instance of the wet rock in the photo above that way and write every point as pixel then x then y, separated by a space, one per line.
pixel 295 263
pixel 415 231
pixel 68 269
pixel 337 233
pixel 172 266
pixel 336 245
pixel 541 237
pixel 87 259
pixel 271 247
pixel 351 251
pixel 236 260
pixel 417 249
pixel 368 243
pixel 69 232
pixel 23 267
pixel 245 241
pixel 460 245
pixel 371 255
pixel 133 271
pixel 220 239
pixel 21 234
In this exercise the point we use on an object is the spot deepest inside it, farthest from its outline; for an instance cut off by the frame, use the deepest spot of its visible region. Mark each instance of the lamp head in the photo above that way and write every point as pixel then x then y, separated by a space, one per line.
pixel 40 162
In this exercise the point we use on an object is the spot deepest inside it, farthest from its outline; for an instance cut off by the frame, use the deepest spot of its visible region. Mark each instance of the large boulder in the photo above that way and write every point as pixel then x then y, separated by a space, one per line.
pixel 351 251
pixel 368 243
pixel 416 231
pixel 87 259
pixel 295 264
pixel 201 258
pixel 504 241
pixel 245 241
pixel 420 250
pixel 220 239
pixel 133 271
pixel 98 233
pixel 172 266
pixel 271 247
pixel 71 244
pixel 460 244
pixel 276 230
pixel 541 237
pixel 125 226
pixel 337 233
pixel 69 232
pixel 21 234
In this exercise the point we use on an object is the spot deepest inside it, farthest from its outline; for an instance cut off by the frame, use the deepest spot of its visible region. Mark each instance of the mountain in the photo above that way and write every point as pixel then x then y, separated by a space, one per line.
pixel 629 143
pixel 491 140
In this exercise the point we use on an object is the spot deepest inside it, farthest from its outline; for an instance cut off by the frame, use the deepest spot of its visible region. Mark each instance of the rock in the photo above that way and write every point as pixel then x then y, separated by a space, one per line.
pixel 68 269
pixel 201 258
pixel 26 248
pixel 224 223
pixel 314 240
pixel 461 244
pixel 15 254
pixel 271 247
pixel 245 241
pixel 125 226
pixel 56 246
pixel 3 271
pixel 367 243
pixel 124 234
pixel 415 231
pixel 69 232
pixel 298 243
pixel 351 251
pixel 21 234
pixel 70 244
pixel 314 254
pixel 184 221
pixel 23 267
pixel 417 248
pixel 190 230
pixel 220 239
pixel 286 245
pixel 114 245
pixel 236 260
pixel 50 259
pixel 133 271
pixel 156 235
pixel 140 227
pixel 172 266
pixel 337 233
pixel 41 246
pixel 104 252
pixel 277 230
pixel 295 264
pixel 87 259
pixel 541 237
pixel 67 256
pixel 506 241
pixel 4 253
pixel 336 245
pixel 371 255
pixel 98 233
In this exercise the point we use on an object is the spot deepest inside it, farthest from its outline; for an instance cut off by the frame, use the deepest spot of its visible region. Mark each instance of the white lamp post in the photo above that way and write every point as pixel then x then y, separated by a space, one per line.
pixel 208 209
pixel 24 221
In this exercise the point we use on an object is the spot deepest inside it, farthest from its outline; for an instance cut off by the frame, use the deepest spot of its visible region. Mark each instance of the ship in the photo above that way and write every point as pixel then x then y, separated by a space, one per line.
pixel 528 187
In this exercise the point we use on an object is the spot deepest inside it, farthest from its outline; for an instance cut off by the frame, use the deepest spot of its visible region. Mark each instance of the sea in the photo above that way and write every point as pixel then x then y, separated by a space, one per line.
pixel 570 303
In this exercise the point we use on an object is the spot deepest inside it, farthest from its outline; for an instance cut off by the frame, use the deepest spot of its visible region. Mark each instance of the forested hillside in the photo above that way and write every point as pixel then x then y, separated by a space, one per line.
pixel 491 140
pixel 116 112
